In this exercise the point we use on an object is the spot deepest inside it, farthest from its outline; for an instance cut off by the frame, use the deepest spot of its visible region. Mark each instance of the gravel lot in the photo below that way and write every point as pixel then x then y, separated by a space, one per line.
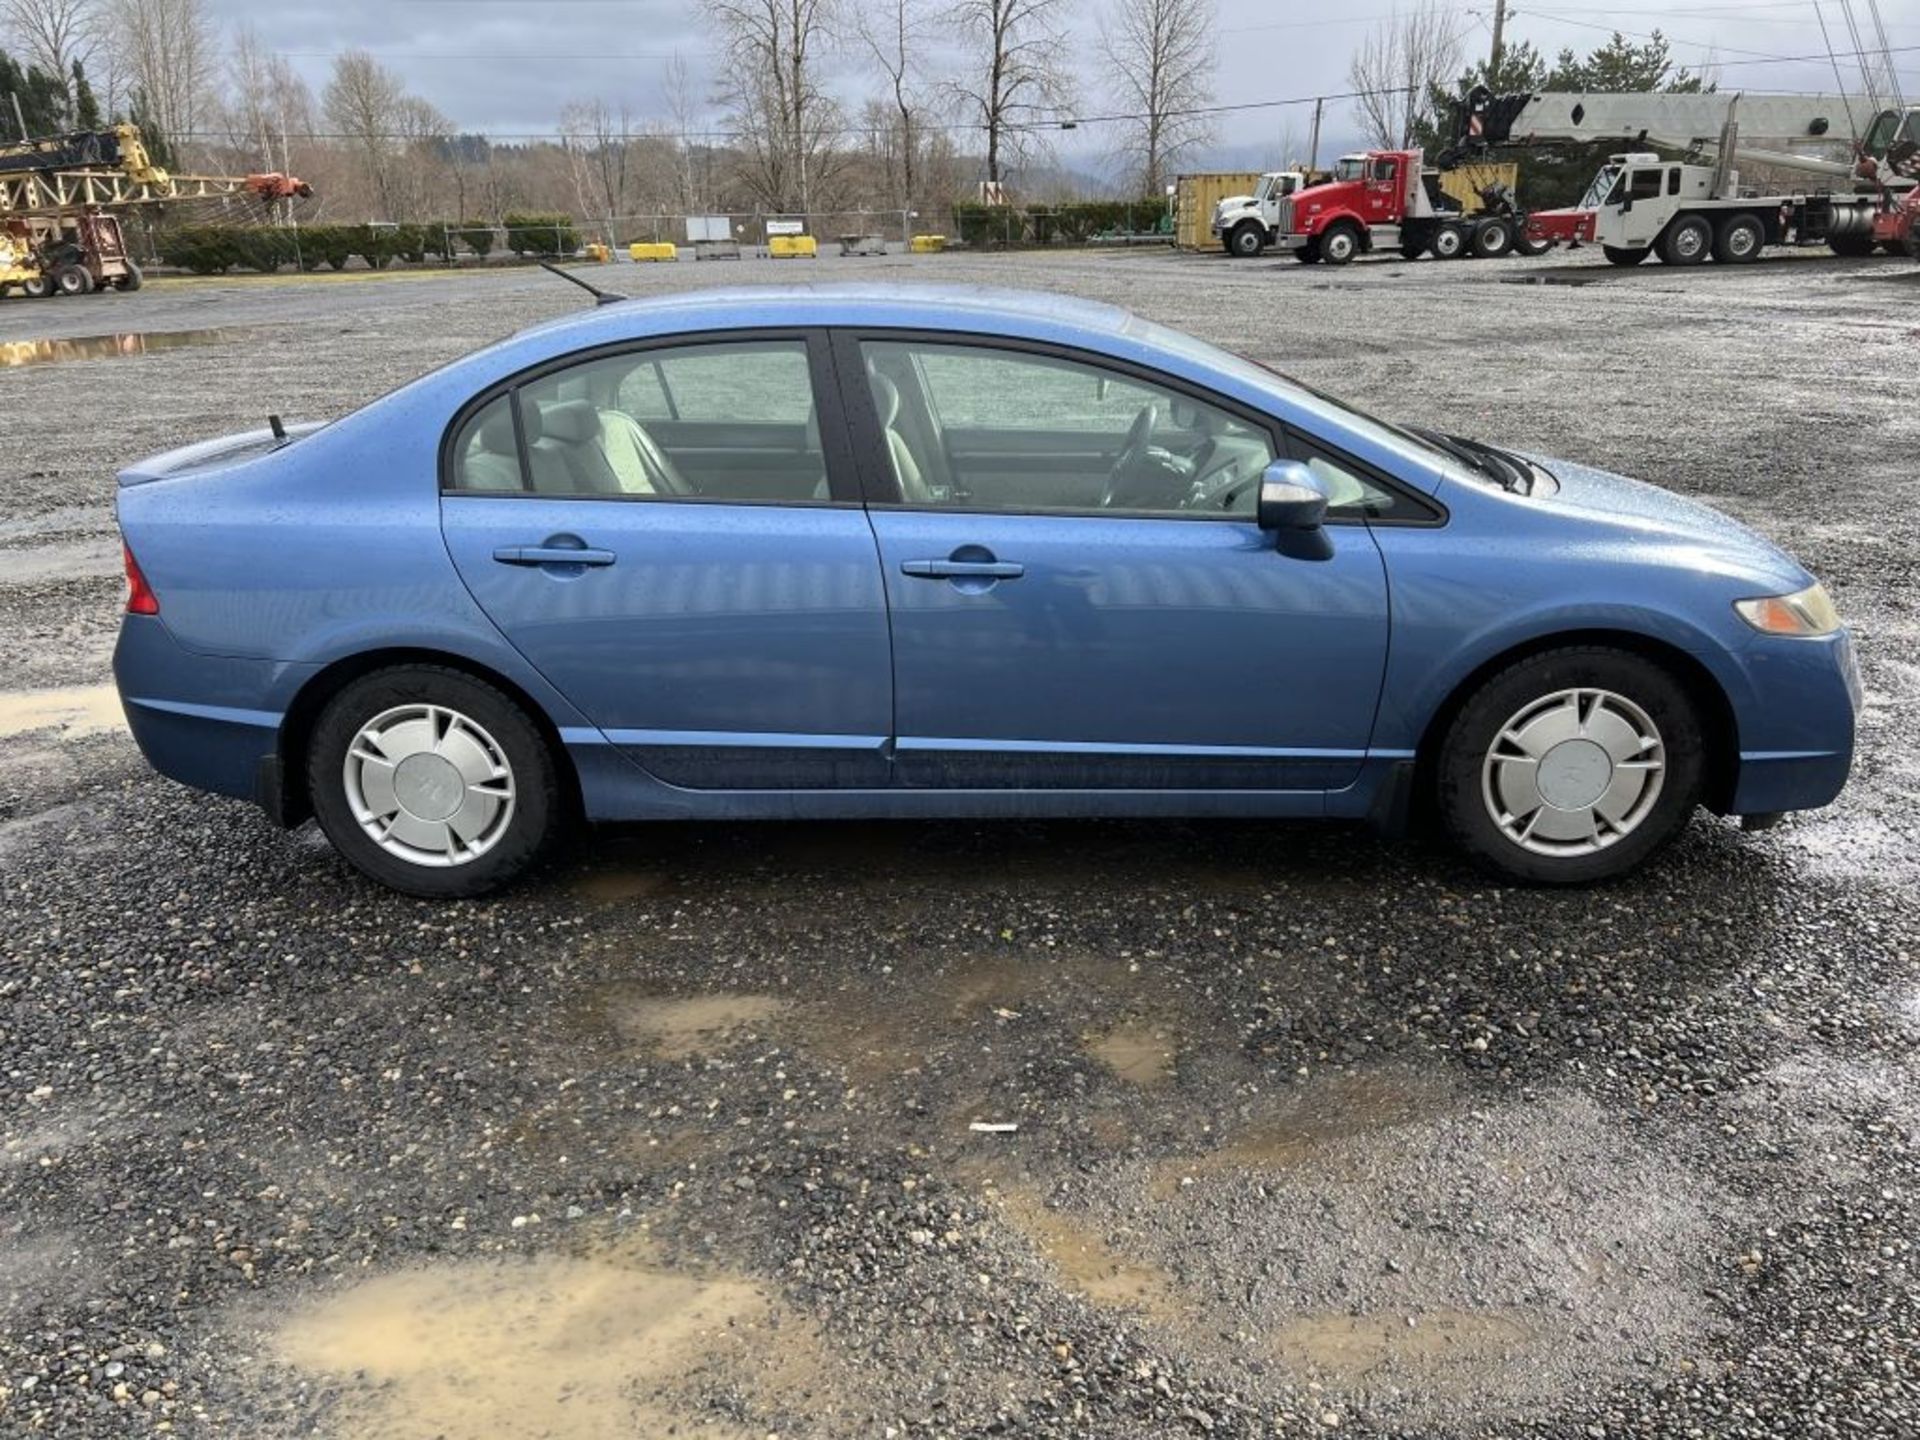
pixel 1316 1135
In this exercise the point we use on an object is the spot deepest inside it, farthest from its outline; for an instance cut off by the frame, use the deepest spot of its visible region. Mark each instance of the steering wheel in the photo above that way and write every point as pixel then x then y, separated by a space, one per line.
pixel 1220 495
pixel 1139 436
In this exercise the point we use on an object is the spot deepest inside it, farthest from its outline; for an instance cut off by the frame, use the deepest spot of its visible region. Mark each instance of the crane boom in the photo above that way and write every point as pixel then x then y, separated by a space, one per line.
pixel 110 169
pixel 1787 131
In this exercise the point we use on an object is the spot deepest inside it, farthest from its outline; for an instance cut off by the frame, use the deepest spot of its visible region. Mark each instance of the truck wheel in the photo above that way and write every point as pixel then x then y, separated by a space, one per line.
pixel 1449 242
pixel 1740 240
pixel 132 280
pixel 1309 253
pixel 1246 240
pixel 1687 241
pixel 1413 249
pixel 1523 246
pixel 1492 239
pixel 1913 237
pixel 1851 243
pixel 1625 255
pixel 1339 243
pixel 73 280
pixel 38 288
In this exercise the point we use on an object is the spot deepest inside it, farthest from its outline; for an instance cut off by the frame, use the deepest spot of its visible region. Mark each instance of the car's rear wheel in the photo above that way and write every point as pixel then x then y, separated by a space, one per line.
pixel 1571 766
pixel 433 782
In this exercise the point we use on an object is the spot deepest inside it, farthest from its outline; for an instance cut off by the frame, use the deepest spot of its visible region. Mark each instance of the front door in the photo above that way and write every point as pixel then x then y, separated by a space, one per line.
pixel 1080 597
pixel 667 537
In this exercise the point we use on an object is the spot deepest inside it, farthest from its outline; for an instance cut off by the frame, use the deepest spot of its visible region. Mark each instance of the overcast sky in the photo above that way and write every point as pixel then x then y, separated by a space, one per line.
pixel 507 66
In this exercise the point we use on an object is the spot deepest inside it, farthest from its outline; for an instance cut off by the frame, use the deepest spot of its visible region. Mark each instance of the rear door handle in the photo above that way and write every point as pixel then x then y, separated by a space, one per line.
pixel 962 569
pixel 551 555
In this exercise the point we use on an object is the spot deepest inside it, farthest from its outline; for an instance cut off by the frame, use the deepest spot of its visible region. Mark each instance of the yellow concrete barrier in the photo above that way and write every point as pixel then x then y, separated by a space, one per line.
pixel 653 250
pixel 793 247
pixel 928 244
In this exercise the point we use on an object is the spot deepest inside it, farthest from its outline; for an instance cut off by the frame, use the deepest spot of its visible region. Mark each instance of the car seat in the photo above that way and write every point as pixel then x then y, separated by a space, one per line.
pixel 906 469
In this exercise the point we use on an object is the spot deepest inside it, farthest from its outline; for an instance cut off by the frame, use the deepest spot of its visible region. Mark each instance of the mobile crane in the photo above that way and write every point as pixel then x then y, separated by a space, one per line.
pixel 60 195
pixel 1686 211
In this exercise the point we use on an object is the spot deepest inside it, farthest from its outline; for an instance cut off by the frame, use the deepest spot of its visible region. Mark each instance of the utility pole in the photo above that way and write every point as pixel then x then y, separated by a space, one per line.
pixel 1313 146
pixel 1499 38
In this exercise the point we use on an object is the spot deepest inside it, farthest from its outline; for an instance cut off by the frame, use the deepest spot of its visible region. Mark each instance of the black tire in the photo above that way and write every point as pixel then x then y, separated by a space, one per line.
pixel 1449 242
pixel 1492 239
pixel 132 280
pixel 1522 245
pixel 1687 240
pixel 539 812
pixel 1913 238
pixel 1739 240
pixel 1341 242
pixel 1463 794
pixel 73 280
pixel 1246 240
pixel 38 288
pixel 1625 255
pixel 1413 249
pixel 1309 253
pixel 1852 244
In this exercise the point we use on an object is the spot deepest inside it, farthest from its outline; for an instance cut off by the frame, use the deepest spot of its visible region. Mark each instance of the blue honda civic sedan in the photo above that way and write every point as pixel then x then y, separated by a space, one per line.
pixel 918 552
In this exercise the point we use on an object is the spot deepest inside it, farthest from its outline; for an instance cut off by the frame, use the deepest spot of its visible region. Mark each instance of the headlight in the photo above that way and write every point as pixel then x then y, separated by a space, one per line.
pixel 1805 612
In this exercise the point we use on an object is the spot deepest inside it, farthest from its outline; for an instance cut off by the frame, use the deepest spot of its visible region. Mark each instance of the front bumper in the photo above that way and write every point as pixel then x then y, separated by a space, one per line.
pixel 1797 735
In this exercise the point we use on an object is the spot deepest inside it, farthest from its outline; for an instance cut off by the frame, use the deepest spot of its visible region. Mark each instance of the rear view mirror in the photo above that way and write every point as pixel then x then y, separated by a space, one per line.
pixel 1292 497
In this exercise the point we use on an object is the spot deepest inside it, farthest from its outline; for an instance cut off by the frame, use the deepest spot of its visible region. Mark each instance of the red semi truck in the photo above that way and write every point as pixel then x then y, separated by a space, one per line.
pixel 1391 200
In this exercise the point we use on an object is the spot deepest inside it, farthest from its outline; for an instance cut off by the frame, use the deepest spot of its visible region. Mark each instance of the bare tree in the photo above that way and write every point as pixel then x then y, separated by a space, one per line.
pixel 167 58
pixel 683 111
pixel 1018 68
pixel 600 151
pixel 897 33
pixel 374 116
pixel 1401 63
pixel 785 120
pixel 1160 53
pixel 265 102
pixel 55 34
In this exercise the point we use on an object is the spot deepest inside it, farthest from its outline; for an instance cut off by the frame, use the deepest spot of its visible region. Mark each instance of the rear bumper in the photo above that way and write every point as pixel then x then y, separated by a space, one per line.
pixel 212 722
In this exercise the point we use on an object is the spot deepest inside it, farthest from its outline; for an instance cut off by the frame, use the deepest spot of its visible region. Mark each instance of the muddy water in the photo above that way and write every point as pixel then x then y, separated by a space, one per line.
pixel 600 1348
pixel 1135 1052
pixel 673 1029
pixel 1087 1261
pixel 74 712
pixel 14 353
pixel 1347 1347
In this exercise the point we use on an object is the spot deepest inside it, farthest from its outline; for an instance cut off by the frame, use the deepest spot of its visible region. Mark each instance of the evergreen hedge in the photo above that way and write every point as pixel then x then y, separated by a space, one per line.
pixel 216 249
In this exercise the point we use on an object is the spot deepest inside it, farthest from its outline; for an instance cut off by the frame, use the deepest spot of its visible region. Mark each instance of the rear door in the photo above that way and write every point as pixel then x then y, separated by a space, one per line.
pixel 673 536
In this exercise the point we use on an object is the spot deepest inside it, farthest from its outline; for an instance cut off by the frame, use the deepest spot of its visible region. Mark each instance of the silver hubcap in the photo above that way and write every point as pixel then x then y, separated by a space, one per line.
pixel 1446 244
pixel 429 785
pixel 1574 772
pixel 1690 241
pixel 1339 247
pixel 1741 241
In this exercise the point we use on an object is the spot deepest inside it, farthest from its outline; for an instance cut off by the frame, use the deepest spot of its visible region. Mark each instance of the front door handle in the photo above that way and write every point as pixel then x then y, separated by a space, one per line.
pixel 551 555
pixel 962 569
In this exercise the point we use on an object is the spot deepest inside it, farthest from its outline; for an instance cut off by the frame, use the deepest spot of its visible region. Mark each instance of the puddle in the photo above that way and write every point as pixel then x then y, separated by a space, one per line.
pixel 1136 1053
pixel 1554 277
pixel 1085 1260
pixel 15 353
pixel 602 1348
pixel 1307 1126
pixel 675 1028
pixel 76 712
pixel 1347 1347
pixel 617 887
pixel 59 560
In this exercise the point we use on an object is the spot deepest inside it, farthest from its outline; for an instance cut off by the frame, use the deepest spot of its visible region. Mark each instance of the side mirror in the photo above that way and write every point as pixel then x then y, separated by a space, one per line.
pixel 1292 498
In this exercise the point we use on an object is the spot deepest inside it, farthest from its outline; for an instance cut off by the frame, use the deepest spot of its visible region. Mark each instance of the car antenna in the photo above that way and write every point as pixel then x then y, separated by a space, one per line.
pixel 602 297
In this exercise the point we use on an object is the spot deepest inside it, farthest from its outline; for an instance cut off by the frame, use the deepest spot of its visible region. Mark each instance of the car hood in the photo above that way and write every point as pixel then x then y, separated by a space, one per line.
pixel 1656 514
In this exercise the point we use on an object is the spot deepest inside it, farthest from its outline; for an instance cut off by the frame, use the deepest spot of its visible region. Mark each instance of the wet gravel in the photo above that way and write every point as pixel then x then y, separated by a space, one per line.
pixel 1314 1135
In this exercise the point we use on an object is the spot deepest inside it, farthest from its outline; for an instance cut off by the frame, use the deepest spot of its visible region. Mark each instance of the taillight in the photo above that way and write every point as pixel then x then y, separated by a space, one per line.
pixel 140 597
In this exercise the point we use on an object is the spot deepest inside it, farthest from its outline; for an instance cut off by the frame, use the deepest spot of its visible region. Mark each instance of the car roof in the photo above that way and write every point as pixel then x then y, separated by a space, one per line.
pixel 987 309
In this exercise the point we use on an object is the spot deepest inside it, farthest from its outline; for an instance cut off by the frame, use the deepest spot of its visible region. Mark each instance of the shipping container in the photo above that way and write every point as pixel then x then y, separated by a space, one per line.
pixel 1194 199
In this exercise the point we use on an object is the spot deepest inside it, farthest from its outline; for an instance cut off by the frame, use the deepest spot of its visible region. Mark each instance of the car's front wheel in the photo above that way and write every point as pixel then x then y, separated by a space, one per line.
pixel 1571 766
pixel 433 782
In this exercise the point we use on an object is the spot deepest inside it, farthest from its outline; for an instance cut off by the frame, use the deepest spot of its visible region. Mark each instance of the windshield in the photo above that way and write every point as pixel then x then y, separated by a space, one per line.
pixel 1268 185
pixel 1350 167
pixel 1604 182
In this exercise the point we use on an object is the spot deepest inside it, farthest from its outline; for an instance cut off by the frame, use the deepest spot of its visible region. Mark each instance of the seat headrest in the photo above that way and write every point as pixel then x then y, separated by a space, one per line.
pixel 496 432
pixel 572 422
pixel 886 395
